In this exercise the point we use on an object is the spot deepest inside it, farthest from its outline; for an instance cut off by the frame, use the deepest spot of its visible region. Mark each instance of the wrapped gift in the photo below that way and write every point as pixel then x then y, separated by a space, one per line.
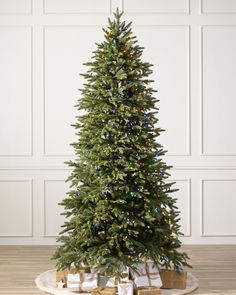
pixel 148 275
pixel 113 281
pixel 147 291
pixel 82 281
pixel 103 291
pixel 125 288
pixel 61 275
pixel 107 281
pixel 172 279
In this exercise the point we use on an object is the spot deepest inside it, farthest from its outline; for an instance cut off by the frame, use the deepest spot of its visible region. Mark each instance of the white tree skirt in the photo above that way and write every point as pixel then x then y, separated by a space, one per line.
pixel 46 282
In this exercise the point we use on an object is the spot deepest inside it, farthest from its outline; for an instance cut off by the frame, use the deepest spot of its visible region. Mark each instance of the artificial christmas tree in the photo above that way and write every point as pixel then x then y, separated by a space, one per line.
pixel 119 209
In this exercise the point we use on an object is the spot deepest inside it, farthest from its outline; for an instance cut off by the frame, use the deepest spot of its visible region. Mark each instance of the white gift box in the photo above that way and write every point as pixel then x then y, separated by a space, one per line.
pixel 112 281
pixel 107 281
pixel 148 275
pixel 125 288
pixel 82 282
pixel 73 280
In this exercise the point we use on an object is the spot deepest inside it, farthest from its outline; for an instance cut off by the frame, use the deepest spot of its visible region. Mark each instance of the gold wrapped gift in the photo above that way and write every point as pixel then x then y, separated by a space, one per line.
pixel 61 275
pixel 172 279
pixel 147 291
pixel 84 269
pixel 104 291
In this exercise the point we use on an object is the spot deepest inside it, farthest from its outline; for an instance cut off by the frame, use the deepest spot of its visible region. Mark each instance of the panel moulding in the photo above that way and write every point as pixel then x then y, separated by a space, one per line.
pixel 45 235
pixel 31 93
pixel 188 181
pixel 77 13
pixel 202 233
pixel 30 181
pixel 188 43
pixel 19 13
pixel 161 12
pixel 44 153
pixel 213 12
pixel 202 153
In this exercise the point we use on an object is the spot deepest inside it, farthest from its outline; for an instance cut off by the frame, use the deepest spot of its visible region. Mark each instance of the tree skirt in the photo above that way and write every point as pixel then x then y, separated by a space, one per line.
pixel 46 282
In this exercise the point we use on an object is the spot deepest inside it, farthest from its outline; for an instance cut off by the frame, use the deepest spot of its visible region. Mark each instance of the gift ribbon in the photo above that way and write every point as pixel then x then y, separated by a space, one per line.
pixel 81 280
pixel 98 290
pixel 116 282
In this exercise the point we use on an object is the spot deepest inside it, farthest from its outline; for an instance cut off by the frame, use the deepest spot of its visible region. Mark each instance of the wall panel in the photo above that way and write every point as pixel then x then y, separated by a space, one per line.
pixel 183 196
pixel 218 88
pixel 77 6
pixel 16 198
pixel 156 6
pixel 15 6
pixel 15 91
pixel 218 210
pixel 73 46
pixel 171 75
pixel 54 193
pixel 43 45
pixel 218 6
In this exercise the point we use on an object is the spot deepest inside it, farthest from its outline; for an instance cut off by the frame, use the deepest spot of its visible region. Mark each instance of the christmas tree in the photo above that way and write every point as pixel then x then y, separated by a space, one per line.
pixel 119 209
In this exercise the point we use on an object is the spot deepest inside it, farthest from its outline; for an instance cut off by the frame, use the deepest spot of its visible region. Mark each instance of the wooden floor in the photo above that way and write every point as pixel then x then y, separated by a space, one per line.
pixel 214 266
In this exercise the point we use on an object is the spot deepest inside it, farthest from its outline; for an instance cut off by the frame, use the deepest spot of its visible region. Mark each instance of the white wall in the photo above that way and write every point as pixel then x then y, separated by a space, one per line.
pixel 43 44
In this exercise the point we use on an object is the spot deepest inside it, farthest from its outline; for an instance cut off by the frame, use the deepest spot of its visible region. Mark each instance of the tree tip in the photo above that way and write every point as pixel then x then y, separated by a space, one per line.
pixel 118 14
